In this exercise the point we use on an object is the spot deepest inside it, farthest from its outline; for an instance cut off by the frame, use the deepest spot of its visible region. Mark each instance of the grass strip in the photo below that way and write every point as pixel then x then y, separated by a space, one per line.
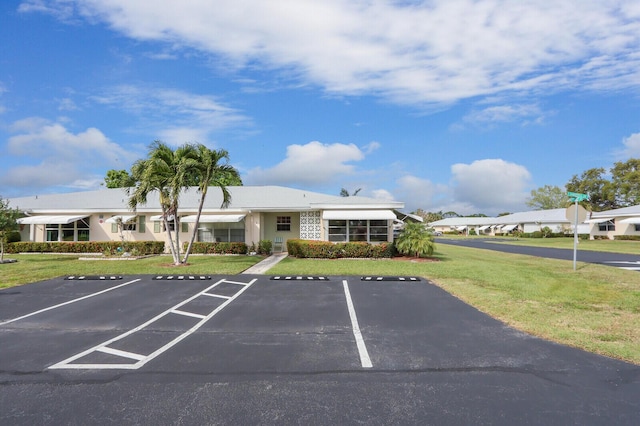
pixel 37 267
pixel 609 246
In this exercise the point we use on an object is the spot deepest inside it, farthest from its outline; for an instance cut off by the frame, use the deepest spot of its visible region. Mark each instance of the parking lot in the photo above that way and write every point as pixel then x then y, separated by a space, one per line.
pixel 254 349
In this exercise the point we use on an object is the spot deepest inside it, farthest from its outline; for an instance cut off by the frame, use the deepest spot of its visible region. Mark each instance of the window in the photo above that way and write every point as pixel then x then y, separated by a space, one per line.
pixel 130 226
pixel 283 223
pixel 637 225
pixel 74 231
pixel 158 225
pixel 607 226
pixel 358 230
pixel 337 230
pixel 222 232
pixel 378 230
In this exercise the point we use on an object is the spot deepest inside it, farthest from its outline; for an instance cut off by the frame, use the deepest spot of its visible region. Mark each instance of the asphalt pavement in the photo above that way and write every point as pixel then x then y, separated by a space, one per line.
pixel 252 349
pixel 621 260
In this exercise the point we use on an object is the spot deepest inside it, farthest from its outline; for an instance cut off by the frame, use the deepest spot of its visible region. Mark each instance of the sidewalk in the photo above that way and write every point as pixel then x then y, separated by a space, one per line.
pixel 266 264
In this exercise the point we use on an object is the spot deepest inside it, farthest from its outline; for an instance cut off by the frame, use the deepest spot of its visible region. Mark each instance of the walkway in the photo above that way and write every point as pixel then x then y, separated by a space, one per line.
pixel 266 264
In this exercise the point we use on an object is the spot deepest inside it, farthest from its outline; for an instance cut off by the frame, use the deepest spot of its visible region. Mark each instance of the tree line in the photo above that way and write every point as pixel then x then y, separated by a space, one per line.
pixel 615 188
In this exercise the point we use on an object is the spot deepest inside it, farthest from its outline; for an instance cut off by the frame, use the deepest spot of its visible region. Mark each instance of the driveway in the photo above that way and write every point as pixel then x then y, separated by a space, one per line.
pixel 251 349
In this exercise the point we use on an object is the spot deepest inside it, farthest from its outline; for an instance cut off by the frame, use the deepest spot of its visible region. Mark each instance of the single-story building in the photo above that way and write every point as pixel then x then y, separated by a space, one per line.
pixel 611 223
pixel 256 213
pixel 528 222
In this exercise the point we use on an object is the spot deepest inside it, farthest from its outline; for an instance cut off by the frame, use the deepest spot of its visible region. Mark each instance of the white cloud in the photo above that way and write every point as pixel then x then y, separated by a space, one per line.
pixel 193 117
pixel 49 155
pixel 524 113
pixel 67 104
pixel 418 193
pixel 491 185
pixel 438 52
pixel 312 164
pixel 382 194
pixel 631 147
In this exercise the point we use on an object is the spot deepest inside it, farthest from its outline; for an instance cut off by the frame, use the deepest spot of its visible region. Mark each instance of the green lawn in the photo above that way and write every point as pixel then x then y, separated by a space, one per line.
pixel 612 246
pixel 37 267
pixel 596 308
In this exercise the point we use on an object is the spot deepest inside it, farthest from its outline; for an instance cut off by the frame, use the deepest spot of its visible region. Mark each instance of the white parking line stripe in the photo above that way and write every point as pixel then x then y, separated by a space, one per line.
pixel 68 302
pixel 237 282
pixel 216 295
pixel 362 348
pixel 67 363
pixel 188 314
pixel 124 354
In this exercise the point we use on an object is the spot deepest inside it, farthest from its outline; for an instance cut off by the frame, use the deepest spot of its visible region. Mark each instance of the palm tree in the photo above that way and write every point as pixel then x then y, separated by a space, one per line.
pixel 168 172
pixel 345 193
pixel 415 240
pixel 208 169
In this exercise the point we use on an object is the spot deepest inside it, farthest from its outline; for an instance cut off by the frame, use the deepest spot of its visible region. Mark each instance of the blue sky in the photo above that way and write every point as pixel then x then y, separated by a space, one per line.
pixel 444 104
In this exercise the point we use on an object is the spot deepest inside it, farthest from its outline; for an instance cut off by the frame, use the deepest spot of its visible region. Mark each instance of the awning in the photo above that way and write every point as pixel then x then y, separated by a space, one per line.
pixel 214 218
pixel 632 220
pixel 49 220
pixel 509 227
pixel 599 220
pixel 461 228
pixel 484 228
pixel 358 215
pixel 124 219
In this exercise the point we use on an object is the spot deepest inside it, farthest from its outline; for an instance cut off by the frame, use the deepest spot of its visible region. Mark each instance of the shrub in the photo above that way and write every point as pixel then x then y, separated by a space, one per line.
pixel 218 248
pixel 329 250
pixel 13 237
pixel 415 240
pixel 627 237
pixel 265 247
pixel 106 247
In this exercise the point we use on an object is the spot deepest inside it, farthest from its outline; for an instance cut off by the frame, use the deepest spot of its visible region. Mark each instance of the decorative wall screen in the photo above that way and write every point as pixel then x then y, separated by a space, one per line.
pixel 311 225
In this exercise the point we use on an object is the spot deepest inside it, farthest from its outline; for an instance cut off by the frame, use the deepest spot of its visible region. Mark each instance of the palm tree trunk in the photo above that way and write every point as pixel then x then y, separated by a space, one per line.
pixel 195 228
pixel 169 238
pixel 176 227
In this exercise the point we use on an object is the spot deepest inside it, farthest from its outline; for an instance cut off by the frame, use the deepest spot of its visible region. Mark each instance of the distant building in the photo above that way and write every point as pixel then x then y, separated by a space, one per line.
pixel 612 223
pixel 528 222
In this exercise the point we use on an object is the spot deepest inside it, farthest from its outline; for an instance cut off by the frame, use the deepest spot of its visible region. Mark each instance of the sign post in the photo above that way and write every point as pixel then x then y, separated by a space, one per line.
pixel 579 214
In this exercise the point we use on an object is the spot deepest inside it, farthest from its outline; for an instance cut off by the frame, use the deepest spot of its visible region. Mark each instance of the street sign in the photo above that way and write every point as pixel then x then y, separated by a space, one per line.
pixel 577 197
pixel 579 215
pixel 571 213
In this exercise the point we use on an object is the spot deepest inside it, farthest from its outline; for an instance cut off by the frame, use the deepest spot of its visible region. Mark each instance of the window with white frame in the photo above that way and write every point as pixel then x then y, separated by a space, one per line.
pixel 358 230
pixel 74 231
pixel 607 226
pixel 283 223
pixel 222 232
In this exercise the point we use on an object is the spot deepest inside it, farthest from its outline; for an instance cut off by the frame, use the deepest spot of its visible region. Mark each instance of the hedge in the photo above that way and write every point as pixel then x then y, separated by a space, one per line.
pixel 329 250
pixel 217 248
pixel 140 248
pixel 627 237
